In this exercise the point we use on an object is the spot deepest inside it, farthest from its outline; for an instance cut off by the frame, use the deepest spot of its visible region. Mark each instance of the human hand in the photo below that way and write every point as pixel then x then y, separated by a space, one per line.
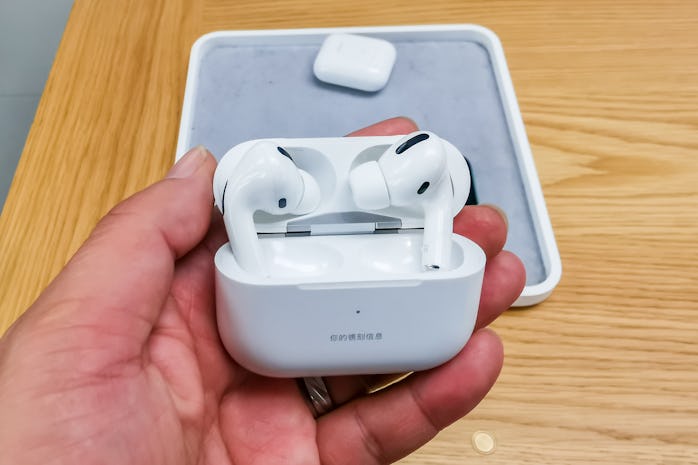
pixel 119 359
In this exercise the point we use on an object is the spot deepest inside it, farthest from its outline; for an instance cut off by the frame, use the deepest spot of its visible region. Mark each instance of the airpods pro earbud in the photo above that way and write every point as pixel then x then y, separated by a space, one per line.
pixel 412 172
pixel 265 178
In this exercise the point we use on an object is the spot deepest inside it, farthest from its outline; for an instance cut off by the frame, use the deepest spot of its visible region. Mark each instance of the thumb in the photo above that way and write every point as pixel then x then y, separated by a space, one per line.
pixel 122 274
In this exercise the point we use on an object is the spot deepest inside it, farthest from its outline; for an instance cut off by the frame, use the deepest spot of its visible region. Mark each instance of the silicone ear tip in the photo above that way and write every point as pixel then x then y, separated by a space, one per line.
pixel 311 194
pixel 368 187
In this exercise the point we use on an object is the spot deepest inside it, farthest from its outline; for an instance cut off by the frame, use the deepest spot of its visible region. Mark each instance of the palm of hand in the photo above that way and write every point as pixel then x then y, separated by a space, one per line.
pixel 218 411
pixel 162 400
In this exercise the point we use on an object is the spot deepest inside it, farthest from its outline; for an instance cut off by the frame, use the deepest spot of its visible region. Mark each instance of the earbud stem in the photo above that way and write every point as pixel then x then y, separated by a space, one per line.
pixel 244 242
pixel 438 228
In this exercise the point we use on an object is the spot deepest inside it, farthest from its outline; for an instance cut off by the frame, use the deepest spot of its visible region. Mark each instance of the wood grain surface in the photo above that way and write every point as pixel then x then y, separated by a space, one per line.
pixel 606 370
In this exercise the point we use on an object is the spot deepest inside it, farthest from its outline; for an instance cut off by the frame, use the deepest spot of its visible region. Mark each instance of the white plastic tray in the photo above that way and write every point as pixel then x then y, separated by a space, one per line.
pixel 451 79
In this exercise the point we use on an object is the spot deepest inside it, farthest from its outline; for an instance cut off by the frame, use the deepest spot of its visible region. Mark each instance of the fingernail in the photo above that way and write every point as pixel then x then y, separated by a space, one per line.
pixel 189 163
pixel 498 210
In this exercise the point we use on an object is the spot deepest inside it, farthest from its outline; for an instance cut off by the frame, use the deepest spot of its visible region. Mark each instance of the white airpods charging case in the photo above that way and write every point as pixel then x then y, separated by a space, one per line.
pixel 345 292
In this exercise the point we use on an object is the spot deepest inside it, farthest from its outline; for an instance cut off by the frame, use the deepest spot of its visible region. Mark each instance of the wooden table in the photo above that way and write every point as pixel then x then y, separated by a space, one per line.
pixel 606 370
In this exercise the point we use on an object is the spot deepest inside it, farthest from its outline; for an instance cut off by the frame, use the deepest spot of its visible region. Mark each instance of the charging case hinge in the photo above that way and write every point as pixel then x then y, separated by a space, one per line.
pixel 335 229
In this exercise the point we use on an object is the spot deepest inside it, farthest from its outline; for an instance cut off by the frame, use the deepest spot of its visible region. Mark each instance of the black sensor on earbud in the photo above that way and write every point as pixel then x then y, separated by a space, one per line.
pixel 223 199
pixel 411 142
pixel 283 152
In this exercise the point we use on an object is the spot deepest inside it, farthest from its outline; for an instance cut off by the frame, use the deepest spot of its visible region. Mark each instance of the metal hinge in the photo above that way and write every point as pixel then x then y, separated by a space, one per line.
pixel 319 228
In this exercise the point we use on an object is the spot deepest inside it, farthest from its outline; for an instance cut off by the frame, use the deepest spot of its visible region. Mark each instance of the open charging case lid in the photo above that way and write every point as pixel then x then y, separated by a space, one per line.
pixel 450 79
pixel 329 161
